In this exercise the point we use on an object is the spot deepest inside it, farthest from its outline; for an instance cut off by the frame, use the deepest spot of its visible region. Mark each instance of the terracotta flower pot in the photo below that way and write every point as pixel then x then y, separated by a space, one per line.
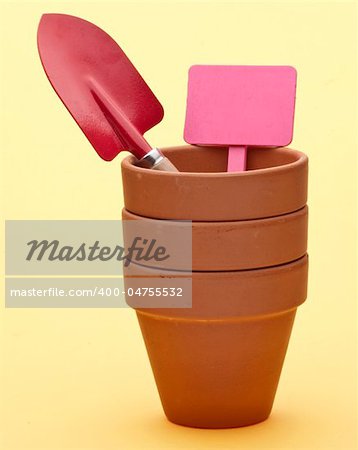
pixel 218 363
pixel 279 187
pixel 246 244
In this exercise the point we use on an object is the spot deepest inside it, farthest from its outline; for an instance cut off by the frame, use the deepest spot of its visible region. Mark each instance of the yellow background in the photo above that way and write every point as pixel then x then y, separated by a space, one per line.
pixel 80 379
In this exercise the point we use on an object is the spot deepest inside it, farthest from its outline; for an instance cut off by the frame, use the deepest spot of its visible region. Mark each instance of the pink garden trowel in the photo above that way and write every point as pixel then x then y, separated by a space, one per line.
pixel 239 107
pixel 101 88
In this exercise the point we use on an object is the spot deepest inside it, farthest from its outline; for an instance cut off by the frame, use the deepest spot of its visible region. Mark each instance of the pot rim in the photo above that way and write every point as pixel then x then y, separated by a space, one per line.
pixel 255 272
pixel 301 160
pixel 252 292
pixel 217 223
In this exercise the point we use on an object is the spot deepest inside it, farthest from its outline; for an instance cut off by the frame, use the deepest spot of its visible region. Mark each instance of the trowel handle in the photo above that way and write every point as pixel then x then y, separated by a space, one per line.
pixel 165 165
pixel 157 161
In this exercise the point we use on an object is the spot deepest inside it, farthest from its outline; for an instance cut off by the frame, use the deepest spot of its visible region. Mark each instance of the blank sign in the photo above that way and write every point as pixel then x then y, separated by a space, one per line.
pixel 240 105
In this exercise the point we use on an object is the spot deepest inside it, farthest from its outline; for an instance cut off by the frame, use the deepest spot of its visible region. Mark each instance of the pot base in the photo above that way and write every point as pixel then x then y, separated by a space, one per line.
pixel 217 426
pixel 217 373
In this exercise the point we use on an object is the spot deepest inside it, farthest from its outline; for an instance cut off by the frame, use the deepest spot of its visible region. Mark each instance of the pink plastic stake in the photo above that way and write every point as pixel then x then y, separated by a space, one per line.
pixel 240 107
pixel 236 160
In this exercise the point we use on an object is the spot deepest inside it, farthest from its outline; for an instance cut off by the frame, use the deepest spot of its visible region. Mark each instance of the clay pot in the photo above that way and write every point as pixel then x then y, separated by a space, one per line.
pixel 218 363
pixel 246 244
pixel 279 187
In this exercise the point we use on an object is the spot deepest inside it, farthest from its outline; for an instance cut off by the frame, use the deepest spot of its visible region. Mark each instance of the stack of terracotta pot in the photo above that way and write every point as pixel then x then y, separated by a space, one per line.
pixel 218 363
